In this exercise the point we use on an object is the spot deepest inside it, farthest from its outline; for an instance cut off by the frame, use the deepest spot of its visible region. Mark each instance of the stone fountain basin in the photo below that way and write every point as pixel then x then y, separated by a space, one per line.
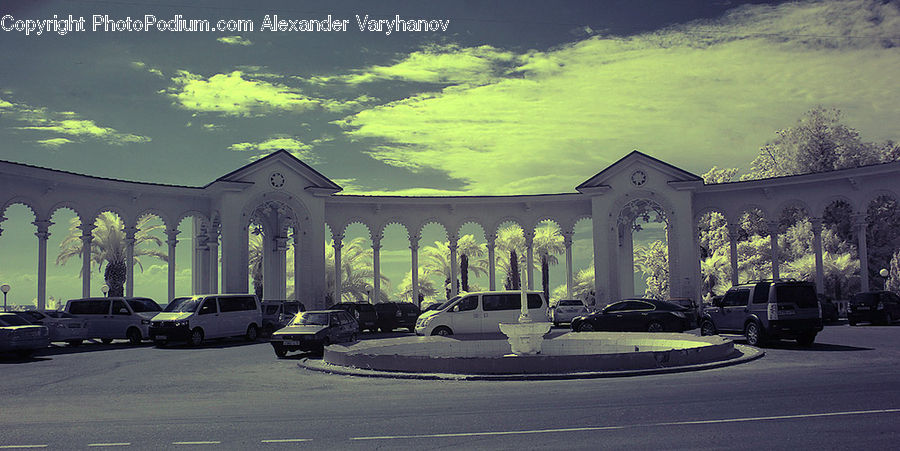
pixel 568 353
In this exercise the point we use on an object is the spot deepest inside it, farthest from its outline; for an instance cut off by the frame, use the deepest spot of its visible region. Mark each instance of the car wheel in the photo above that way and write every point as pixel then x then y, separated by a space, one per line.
pixel 442 331
pixel 412 329
pixel 888 319
pixel 707 328
pixel 655 326
pixel 852 322
pixel 160 343
pixel 74 343
pixel 252 333
pixel 134 336
pixel 753 334
pixel 386 330
pixel 280 350
pixel 807 339
pixel 106 341
pixel 585 327
pixel 196 337
pixel 556 324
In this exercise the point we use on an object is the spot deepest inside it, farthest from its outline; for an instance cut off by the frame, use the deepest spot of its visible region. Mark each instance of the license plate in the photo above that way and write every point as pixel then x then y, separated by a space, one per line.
pixel 291 343
pixel 862 307
pixel 787 312
pixel 161 337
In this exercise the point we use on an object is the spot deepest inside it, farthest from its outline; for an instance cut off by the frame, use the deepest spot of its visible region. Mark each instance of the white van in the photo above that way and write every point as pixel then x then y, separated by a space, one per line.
pixel 481 312
pixel 115 317
pixel 200 317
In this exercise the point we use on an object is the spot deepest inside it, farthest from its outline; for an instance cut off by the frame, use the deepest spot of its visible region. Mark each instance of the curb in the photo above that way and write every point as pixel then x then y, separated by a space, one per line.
pixel 743 354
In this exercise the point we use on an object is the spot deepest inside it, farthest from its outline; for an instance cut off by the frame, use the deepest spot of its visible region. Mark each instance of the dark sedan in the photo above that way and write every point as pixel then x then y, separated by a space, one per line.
pixel 312 331
pixel 636 315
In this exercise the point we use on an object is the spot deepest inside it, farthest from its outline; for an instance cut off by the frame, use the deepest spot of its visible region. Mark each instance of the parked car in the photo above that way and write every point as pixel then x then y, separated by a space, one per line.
pixel 766 309
pixel 277 314
pixel 480 312
pixel 432 306
pixel 636 315
pixel 313 330
pixel 392 315
pixel 829 309
pixel 567 309
pixel 692 306
pixel 363 312
pixel 197 318
pixel 876 307
pixel 63 326
pixel 111 318
pixel 21 337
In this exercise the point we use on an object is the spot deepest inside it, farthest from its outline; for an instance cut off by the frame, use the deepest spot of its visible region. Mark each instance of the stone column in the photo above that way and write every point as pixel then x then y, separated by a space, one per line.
pixel 199 269
pixel 279 269
pixel 734 232
pixel 129 260
pixel 213 245
pixel 338 273
pixel 414 256
pixel 529 259
pixel 454 264
pixel 172 235
pixel 817 249
pixel 86 238
pixel 43 233
pixel 297 274
pixel 626 260
pixel 567 242
pixel 376 267
pixel 861 226
pixel 492 269
pixel 773 241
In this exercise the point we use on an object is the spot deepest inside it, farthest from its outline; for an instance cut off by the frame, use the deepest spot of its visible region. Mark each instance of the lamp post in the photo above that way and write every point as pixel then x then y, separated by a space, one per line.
pixel 885 273
pixel 104 289
pixel 5 289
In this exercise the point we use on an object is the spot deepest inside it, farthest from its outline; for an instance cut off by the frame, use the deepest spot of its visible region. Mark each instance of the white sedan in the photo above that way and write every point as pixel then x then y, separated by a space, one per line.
pixel 63 326
pixel 567 309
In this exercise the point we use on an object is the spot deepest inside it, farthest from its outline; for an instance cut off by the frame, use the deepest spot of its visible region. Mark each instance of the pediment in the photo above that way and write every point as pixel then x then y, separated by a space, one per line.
pixel 635 170
pixel 277 168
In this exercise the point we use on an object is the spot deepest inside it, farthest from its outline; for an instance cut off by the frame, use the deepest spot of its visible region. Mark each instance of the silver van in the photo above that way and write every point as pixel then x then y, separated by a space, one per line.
pixel 196 318
pixel 481 312
pixel 112 318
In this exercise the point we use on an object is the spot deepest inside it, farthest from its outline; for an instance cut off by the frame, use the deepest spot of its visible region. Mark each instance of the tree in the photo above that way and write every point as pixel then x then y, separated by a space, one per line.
pixel 437 262
pixel 108 247
pixel 255 249
pixel 548 243
pixel 426 287
pixel 471 256
pixel 653 261
pixel 511 243
pixel 357 272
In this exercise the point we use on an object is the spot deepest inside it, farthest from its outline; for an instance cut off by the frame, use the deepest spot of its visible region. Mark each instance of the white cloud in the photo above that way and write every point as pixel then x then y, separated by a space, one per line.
pixel 235 40
pixel 293 145
pixel 67 126
pixel 233 95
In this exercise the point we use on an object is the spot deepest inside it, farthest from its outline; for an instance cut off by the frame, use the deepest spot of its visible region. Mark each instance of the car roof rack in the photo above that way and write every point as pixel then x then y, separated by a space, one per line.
pixel 780 279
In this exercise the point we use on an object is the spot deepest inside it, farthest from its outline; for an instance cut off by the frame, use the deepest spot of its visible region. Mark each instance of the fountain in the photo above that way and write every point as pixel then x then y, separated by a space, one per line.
pixel 525 337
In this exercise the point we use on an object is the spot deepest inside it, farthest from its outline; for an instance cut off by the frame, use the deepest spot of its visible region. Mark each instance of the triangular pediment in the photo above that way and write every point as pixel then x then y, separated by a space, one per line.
pixel 284 163
pixel 639 166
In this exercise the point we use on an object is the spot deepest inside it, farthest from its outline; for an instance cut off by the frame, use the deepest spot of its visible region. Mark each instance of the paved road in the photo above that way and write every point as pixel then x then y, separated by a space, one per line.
pixel 842 393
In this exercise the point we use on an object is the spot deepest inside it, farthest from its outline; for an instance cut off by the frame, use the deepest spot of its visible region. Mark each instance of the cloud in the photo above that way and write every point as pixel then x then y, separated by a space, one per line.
pixel 235 40
pixel 66 123
pixel 706 93
pixel 143 66
pixel 293 145
pixel 233 95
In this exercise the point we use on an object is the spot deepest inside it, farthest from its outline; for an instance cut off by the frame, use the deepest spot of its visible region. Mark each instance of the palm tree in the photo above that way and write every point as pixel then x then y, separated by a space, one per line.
pixel 713 272
pixel 108 247
pixel 426 287
pixel 357 271
pixel 511 243
pixel 469 248
pixel 548 243
pixel 653 261
pixel 437 262
pixel 255 247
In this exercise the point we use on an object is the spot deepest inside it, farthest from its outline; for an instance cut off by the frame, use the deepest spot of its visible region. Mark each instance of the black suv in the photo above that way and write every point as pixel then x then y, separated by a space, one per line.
pixel 392 315
pixel 876 307
pixel 363 312
pixel 766 309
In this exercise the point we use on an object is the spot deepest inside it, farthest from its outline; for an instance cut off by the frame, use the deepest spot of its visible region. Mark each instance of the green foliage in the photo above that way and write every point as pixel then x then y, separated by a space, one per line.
pixel 653 261
pixel 357 271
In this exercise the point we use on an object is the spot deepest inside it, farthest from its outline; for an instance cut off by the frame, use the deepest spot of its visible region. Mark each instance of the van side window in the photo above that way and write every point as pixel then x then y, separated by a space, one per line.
pixel 209 306
pixel 534 301
pixel 89 307
pixel 119 308
pixel 467 303
pixel 761 293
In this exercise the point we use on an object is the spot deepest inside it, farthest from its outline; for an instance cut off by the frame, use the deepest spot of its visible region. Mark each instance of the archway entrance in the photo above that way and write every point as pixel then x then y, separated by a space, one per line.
pixel 647 265
pixel 268 241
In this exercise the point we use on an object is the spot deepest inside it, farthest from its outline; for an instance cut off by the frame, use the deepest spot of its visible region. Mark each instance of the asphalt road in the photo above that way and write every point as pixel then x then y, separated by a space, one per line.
pixel 843 393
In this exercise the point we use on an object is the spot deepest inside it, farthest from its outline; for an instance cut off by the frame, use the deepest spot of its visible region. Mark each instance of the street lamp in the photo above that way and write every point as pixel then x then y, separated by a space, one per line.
pixel 5 289
pixel 885 273
pixel 104 289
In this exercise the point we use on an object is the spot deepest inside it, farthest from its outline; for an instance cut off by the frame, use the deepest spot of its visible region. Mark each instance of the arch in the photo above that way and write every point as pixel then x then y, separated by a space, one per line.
pixel 22 200
pixel 432 220
pixel 196 214
pixel 127 221
pixel 745 208
pixel 711 209
pixel 872 196
pixel 357 220
pixel 822 205
pixel 473 220
pixel 790 203
pixel 66 205
pixel 153 212
pixel 495 226
pixel 394 220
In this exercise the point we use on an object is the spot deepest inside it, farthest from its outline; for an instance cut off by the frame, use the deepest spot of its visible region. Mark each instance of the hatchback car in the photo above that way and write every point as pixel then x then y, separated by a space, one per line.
pixel 876 307
pixel 393 315
pixel 636 315
pixel 565 310
pixel 363 312
pixel 313 330
pixel 21 337
pixel 63 326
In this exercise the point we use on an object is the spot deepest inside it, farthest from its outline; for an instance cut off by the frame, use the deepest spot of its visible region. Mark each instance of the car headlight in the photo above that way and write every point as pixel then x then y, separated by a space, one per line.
pixel 182 323
pixel 145 322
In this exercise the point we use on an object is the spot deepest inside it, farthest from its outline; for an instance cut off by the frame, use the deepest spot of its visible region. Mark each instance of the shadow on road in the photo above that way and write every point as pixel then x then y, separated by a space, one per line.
pixel 792 345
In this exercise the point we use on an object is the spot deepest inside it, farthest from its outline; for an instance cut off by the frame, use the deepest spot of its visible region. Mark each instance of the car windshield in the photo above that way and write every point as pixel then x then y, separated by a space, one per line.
pixel 311 319
pixel 865 298
pixel 271 310
pixel 13 320
pixel 183 305
pixel 144 305
pixel 447 304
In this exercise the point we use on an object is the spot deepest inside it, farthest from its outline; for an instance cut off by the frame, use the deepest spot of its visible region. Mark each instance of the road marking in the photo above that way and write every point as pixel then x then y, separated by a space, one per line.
pixel 22 446
pixel 110 444
pixel 287 440
pixel 607 428
pixel 197 443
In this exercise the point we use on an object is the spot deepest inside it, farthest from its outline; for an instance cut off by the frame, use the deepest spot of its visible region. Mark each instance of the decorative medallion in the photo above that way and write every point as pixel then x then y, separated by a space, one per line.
pixel 277 180
pixel 638 177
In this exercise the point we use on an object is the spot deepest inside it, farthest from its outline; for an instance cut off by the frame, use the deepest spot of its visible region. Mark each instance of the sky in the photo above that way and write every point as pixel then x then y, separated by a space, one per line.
pixel 504 97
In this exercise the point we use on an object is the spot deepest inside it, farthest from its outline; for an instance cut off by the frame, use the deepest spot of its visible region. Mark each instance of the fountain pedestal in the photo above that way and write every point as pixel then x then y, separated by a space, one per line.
pixel 525 338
